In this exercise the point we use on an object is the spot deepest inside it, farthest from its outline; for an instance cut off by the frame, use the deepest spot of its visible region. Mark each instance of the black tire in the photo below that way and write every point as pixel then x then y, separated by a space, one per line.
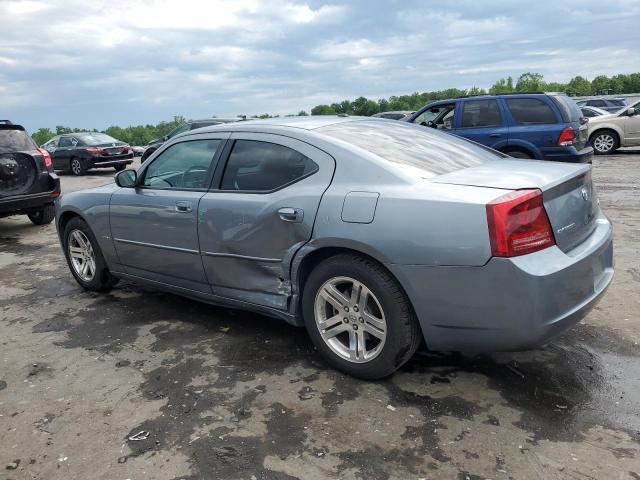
pixel 147 153
pixel 77 168
pixel 102 279
pixel 119 168
pixel 605 142
pixel 403 332
pixel 519 154
pixel 43 216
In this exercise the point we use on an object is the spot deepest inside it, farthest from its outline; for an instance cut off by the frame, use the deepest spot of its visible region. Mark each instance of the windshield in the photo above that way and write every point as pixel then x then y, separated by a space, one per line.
pixel 423 151
pixel 96 138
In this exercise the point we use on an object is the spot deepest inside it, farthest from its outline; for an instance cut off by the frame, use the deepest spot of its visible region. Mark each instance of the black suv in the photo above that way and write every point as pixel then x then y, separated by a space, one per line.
pixel 153 145
pixel 27 183
pixel 81 151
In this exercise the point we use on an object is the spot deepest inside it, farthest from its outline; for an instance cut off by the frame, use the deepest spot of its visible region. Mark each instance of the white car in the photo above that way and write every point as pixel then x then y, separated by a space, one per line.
pixel 607 133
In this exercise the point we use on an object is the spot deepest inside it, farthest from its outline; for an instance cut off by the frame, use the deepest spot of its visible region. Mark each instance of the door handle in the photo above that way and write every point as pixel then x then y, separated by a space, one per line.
pixel 183 206
pixel 289 214
pixel 495 135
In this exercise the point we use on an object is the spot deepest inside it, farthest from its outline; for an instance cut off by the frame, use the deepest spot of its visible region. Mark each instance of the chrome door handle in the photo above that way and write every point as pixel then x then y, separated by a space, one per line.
pixel 288 214
pixel 183 206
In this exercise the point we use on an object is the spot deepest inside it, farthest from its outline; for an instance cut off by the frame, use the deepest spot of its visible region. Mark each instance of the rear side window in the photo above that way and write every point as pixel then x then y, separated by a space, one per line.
pixel 480 113
pixel 568 108
pixel 531 111
pixel 65 142
pixel 13 140
pixel 263 167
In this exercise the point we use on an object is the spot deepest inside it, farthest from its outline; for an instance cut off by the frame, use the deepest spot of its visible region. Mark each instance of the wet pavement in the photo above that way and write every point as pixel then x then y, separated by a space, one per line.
pixel 138 384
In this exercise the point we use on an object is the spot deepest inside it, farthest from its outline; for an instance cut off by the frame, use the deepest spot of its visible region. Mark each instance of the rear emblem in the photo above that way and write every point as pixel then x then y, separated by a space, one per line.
pixel 585 194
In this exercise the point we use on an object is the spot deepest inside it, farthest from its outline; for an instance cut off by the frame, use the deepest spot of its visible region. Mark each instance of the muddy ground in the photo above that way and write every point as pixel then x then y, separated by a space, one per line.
pixel 231 395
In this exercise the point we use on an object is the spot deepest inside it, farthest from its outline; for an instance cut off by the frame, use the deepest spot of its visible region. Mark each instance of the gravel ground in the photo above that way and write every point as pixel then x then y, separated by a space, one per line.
pixel 223 394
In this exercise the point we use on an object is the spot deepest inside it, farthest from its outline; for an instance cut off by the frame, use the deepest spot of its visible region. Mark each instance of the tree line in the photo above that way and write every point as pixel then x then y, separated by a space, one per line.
pixel 527 82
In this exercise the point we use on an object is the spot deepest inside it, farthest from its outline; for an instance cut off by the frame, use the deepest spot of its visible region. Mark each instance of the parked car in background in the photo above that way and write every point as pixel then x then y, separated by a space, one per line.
pixel 153 145
pixel 609 104
pixel 607 133
pixel 395 115
pixel 590 112
pixel 28 184
pixel 363 230
pixel 523 125
pixel 83 151
pixel 137 151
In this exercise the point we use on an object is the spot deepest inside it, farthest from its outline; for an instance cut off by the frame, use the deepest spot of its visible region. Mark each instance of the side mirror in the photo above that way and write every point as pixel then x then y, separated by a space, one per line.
pixel 126 178
pixel 165 138
pixel 631 111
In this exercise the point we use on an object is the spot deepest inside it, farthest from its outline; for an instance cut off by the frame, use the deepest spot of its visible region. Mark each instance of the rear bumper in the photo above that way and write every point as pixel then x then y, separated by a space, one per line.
pixel 510 303
pixel 31 201
pixel 571 155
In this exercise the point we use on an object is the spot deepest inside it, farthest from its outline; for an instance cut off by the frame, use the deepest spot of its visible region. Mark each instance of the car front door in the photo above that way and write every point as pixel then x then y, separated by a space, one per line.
pixel 482 122
pixel 260 213
pixel 154 226
pixel 632 127
pixel 62 154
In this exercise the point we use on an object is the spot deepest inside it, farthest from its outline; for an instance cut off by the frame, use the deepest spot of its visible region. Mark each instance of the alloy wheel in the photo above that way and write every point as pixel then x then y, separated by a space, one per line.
pixel 83 259
pixel 603 143
pixel 76 167
pixel 350 319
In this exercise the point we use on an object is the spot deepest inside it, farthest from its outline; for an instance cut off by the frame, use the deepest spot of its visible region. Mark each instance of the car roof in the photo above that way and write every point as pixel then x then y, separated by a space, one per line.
pixel 302 123
pixel 217 119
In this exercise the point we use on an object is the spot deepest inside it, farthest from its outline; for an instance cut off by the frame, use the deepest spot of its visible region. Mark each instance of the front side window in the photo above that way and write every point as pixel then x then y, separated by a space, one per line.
pixel 183 166
pixel 263 167
pixel 440 117
pixel 531 111
pixel 480 113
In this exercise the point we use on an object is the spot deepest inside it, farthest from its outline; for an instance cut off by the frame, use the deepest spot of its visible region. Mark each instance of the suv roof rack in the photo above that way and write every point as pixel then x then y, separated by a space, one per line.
pixel 506 93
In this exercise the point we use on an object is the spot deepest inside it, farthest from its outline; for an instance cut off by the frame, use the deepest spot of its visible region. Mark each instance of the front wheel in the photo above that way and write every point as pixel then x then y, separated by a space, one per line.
pixel 358 317
pixel 84 257
pixel 604 142
pixel 43 216
pixel 77 168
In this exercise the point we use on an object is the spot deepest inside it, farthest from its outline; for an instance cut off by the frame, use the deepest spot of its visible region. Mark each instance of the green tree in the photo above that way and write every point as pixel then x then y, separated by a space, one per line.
pixel 323 110
pixel 364 107
pixel 530 82
pixel 579 86
pixel 302 113
pixel 503 85
pixel 42 135
pixel 600 84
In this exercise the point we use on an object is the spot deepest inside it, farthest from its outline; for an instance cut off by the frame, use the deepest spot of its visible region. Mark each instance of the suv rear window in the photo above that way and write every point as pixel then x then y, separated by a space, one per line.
pixel 531 111
pixel 15 140
pixel 424 151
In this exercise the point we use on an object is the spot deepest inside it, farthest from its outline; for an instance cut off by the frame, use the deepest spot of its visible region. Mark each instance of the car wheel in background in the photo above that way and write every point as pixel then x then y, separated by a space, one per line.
pixel 84 257
pixel 119 168
pixel 76 167
pixel 518 154
pixel 147 153
pixel 44 216
pixel 358 317
pixel 605 142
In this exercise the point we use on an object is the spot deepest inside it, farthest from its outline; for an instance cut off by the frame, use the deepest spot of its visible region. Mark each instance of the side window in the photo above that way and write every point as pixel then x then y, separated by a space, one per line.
pixel 480 113
pixel 185 165
pixel 74 141
pixel 531 111
pixel 263 167
pixel 589 113
pixel 597 103
pixel 64 142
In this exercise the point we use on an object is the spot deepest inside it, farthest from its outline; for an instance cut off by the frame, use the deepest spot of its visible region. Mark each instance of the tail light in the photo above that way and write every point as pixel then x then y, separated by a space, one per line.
pixel 95 150
pixel 566 137
pixel 125 149
pixel 518 224
pixel 46 157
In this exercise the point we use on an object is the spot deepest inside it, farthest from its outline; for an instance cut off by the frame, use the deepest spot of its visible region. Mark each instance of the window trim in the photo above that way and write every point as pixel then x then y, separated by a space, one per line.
pixel 500 115
pixel 216 186
pixel 215 163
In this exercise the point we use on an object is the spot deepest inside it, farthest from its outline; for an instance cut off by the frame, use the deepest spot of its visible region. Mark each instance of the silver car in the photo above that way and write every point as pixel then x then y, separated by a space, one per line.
pixel 374 234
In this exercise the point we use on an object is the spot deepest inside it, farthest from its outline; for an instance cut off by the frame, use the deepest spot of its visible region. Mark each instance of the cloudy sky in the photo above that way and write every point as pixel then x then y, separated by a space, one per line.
pixel 98 63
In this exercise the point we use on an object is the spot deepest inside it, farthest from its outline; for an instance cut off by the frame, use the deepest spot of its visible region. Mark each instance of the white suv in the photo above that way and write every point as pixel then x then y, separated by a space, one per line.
pixel 607 133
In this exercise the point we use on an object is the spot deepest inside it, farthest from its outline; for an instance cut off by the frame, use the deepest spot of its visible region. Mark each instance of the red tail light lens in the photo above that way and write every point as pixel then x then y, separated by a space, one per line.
pixel 95 151
pixel 125 149
pixel 566 137
pixel 518 224
pixel 46 157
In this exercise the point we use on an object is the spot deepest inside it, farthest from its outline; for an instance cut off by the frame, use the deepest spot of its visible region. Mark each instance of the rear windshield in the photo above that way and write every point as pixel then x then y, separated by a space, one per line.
pixel 422 150
pixel 12 140
pixel 96 138
pixel 568 108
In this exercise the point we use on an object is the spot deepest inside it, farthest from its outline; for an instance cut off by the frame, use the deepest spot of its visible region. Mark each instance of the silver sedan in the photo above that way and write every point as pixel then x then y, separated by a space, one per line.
pixel 373 234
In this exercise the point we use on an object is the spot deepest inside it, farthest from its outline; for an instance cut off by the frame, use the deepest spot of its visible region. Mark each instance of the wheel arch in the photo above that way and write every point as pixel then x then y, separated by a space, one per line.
pixel 521 147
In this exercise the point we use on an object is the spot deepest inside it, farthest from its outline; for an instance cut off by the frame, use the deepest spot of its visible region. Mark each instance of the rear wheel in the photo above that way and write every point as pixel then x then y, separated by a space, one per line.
pixel 43 216
pixel 84 257
pixel 605 142
pixel 518 154
pixel 119 168
pixel 77 168
pixel 358 317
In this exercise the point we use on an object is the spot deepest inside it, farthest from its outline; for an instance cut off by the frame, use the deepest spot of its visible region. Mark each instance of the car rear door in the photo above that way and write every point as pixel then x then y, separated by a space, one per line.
pixel 261 211
pixel 481 121
pixel 62 154
pixel 154 226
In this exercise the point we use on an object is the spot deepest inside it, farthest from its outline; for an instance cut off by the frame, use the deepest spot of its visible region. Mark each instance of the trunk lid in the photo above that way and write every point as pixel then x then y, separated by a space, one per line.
pixel 567 190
